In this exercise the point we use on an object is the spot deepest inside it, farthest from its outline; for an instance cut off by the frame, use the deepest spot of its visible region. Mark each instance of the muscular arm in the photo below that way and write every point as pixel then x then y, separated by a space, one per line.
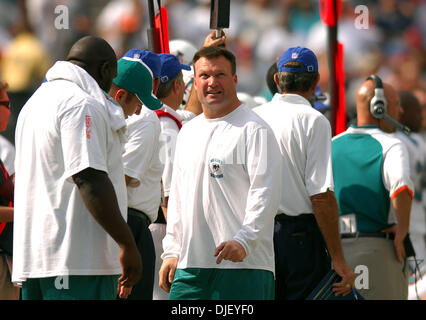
pixel 325 209
pixel 402 206
pixel 324 206
pixel 99 197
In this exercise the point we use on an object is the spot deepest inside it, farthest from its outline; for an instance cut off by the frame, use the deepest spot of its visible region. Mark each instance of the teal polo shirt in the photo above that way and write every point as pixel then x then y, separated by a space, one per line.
pixel 357 156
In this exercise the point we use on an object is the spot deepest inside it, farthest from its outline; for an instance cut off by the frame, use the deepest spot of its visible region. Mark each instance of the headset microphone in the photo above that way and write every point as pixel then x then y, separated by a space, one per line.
pixel 397 125
pixel 378 105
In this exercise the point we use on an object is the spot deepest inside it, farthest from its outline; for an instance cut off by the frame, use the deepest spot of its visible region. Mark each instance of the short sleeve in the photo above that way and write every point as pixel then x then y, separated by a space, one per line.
pixel 318 172
pixel 83 132
pixel 139 149
pixel 396 170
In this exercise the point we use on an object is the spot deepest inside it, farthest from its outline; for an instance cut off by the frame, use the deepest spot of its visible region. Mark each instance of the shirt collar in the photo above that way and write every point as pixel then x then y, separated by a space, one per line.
pixel 171 111
pixel 291 98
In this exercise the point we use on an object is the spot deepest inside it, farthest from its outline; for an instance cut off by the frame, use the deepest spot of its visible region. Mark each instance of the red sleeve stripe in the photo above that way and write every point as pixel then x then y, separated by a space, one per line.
pixel 402 189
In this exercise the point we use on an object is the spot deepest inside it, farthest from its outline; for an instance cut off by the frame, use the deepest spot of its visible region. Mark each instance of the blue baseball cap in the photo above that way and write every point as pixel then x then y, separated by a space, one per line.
pixel 170 66
pixel 149 58
pixel 299 54
pixel 319 100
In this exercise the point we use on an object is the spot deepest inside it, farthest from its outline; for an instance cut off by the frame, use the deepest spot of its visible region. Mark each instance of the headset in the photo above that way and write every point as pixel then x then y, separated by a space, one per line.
pixel 379 105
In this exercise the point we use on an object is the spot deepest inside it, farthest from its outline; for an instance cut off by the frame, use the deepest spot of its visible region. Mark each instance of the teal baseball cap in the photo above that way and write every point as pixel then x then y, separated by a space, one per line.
pixel 135 76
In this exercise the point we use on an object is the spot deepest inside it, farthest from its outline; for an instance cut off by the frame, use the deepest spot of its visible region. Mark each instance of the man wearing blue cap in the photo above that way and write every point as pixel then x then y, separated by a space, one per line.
pixel 153 62
pixel 170 92
pixel 132 89
pixel 306 221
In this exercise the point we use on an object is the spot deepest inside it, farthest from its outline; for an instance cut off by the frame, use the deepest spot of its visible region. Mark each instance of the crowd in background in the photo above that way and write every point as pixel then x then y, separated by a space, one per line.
pixel 392 46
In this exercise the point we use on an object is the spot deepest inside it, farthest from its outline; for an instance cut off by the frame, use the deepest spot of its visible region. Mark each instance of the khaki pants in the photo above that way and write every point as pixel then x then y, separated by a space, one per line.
pixel 378 274
pixel 7 290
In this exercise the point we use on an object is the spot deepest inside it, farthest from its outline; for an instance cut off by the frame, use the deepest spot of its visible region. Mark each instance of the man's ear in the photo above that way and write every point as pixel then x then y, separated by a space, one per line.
pixel 176 85
pixel 277 82
pixel 119 95
pixel 155 86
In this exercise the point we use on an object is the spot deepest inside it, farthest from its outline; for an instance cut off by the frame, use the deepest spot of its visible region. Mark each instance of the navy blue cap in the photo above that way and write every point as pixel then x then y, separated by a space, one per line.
pixel 319 101
pixel 170 66
pixel 299 54
pixel 149 58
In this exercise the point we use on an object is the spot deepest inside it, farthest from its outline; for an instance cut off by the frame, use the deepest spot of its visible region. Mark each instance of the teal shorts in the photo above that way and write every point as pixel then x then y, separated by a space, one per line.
pixel 222 284
pixel 71 288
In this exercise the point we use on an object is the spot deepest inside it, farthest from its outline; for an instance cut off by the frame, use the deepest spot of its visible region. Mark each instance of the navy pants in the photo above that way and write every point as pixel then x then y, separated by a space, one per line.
pixel 138 223
pixel 301 257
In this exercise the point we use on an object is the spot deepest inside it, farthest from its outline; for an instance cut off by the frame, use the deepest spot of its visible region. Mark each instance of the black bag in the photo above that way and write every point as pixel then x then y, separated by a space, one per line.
pixel 6 239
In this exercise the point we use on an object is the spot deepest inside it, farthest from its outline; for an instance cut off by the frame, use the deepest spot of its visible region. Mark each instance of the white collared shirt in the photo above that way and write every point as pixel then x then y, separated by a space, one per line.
pixel 141 161
pixel 304 138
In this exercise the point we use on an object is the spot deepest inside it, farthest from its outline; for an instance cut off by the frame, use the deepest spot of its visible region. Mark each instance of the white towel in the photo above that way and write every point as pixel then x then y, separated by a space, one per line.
pixel 64 70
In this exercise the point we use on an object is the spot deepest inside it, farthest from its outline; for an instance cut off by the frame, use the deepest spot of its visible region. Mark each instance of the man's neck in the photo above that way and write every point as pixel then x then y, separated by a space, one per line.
pixel 215 112
pixel 171 102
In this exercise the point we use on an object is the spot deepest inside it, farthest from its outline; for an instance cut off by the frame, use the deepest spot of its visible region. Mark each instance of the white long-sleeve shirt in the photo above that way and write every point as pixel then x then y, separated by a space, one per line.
pixel 226 185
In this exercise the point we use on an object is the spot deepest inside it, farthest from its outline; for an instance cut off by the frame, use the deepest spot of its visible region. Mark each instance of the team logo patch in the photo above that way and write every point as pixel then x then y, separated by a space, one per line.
pixel 215 168
pixel 294 55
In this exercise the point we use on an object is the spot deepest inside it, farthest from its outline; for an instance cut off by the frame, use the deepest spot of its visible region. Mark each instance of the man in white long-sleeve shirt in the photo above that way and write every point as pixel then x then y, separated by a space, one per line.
pixel 224 194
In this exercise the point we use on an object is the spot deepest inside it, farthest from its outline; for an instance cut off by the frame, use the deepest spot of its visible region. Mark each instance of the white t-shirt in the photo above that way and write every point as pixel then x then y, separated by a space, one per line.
pixel 304 139
pixel 226 185
pixel 168 136
pixel 141 162
pixel 62 130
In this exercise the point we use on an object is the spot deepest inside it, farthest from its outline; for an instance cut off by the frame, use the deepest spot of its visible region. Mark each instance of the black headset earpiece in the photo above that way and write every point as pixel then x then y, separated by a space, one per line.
pixel 378 104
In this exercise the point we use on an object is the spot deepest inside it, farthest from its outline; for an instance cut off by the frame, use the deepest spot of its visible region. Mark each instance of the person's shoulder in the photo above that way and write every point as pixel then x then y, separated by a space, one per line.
pixel 67 96
pixel 252 120
pixel 387 140
pixel 194 123
pixel 146 115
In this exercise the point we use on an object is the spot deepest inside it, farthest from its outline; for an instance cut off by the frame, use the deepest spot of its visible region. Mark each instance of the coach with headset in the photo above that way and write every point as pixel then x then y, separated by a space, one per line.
pixel 374 193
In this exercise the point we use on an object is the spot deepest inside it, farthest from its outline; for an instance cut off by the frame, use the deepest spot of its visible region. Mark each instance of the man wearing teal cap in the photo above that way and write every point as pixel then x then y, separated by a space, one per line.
pixel 133 86
pixel 132 89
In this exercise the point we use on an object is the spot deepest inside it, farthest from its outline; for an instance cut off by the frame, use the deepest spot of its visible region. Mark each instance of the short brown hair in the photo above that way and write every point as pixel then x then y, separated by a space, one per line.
pixel 216 52
pixel 296 81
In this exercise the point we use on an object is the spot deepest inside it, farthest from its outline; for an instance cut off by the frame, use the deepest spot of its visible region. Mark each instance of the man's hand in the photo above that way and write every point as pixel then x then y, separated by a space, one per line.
pixel 398 242
pixel 131 265
pixel 123 292
pixel 348 278
pixel 230 250
pixel 211 41
pixel 167 273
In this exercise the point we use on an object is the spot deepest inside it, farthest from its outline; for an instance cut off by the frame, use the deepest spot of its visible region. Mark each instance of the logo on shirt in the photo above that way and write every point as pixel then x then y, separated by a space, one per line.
pixel 215 168
pixel 88 126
